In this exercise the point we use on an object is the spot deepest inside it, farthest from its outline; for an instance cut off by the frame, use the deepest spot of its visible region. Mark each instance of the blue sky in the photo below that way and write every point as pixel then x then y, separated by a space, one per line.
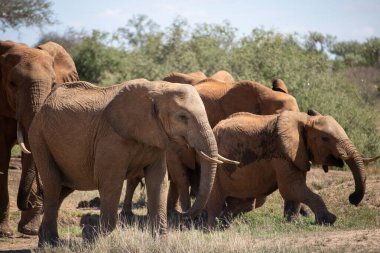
pixel 346 19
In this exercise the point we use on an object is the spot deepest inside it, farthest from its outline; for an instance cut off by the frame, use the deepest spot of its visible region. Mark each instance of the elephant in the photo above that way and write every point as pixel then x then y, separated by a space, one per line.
pixel 197 77
pixel 86 138
pixel 221 100
pixel 27 76
pixel 276 152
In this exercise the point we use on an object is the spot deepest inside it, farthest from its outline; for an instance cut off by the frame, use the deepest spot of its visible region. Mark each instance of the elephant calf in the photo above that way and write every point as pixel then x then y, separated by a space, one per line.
pixel 276 151
pixel 86 138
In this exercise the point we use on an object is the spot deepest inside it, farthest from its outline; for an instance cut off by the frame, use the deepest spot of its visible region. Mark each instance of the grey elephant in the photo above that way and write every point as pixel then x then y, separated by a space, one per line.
pixel 86 137
pixel 27 76
pixel 276 152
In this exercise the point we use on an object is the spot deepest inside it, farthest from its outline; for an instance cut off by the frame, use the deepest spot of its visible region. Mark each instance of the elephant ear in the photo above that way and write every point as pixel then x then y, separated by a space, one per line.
pixel 64 66
pixel 176 77
pixel 312 112
pixel 133 114
pixel 279 85
pixel 5 45
pixel 291 127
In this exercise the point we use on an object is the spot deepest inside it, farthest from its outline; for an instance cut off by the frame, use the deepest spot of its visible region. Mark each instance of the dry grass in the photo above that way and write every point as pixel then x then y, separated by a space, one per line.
pixel 356 230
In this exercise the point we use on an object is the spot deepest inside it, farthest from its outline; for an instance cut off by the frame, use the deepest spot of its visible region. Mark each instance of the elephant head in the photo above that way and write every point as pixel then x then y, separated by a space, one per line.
pixel 319 139
pixel 158 113
pixel 27 76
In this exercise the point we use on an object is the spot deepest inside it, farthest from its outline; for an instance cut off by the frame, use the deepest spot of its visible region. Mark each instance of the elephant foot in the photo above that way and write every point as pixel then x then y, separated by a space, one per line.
pixel 52 242
pixel 5 230
pixel 90 224
pixel 47 239
pixel 30 222
pixel 304 212
pixel 326 219
pixel 127 217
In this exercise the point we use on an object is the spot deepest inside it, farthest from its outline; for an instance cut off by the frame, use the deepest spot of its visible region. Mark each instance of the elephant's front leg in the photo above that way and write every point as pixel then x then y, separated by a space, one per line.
pixel 30 219
pixel 157 190
pixel 292 187
pixel 7 138
pixel 291 210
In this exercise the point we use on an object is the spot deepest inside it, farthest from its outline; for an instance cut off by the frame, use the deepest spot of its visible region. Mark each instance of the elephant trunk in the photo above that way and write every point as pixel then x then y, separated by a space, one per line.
pixel 355 161
pixel 26 110
pixel 205 143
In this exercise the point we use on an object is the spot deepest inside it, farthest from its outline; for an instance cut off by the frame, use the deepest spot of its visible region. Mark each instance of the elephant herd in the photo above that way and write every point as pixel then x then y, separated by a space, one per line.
pixel 231 142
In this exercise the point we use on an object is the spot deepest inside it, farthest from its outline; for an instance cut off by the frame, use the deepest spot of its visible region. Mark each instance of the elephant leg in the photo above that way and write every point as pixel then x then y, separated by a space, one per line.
pixel 109 191
pixel 7 139
pixel 179 184
pixel 30 219
pixel 173 197
pixel 237 206
pixel 291 210
pixel 48 232
pixel 215 205
pixel 157 190
pixel 292 186
pixel 132 184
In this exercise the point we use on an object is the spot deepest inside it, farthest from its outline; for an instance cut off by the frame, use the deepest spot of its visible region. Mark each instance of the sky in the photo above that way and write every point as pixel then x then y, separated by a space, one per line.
pixel 345 19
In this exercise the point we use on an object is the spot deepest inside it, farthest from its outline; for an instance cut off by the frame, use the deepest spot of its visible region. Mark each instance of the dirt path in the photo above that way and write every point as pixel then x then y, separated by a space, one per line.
pixel 336 241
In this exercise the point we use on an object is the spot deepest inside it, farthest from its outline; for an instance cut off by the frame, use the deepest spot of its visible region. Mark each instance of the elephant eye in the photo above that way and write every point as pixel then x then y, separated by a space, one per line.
pixel 324 138
pixel 13 84
pixel 183 118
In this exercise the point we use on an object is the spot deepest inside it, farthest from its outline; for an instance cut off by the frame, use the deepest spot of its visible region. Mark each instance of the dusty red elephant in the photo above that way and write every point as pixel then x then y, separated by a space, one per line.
pixel 27 76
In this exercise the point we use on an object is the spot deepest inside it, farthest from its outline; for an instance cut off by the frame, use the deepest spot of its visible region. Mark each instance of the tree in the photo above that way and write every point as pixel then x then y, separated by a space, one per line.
pixel 17 13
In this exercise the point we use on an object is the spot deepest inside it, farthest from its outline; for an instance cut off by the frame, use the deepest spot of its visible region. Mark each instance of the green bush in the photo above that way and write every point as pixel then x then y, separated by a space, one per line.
pixel 142 49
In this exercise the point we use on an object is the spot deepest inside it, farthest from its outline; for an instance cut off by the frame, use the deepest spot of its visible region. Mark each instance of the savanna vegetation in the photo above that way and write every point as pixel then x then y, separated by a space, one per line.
pixel 341 79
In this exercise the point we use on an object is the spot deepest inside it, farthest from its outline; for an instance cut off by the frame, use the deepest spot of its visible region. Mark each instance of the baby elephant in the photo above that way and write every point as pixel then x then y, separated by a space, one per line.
pixel 276 151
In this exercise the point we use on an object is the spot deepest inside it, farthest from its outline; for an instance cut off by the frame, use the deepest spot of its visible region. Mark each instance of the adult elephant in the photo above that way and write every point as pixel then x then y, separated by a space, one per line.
pixel 87 138
pixel 276 151
pixel 27 76
pixel 221 99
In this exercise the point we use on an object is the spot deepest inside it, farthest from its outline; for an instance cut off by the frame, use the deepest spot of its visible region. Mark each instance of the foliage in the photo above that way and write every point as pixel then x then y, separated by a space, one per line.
pixel 17 13
pixel 315 67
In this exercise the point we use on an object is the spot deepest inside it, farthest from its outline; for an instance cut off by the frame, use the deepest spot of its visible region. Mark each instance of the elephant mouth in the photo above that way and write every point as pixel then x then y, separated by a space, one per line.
pixel 179 140
pixel 333 161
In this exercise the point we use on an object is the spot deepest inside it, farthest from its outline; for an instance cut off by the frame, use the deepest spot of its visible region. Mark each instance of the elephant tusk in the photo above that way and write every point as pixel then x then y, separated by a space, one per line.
pixel 210 159
pixel 20 139
pixel 344 157
pixel 366 161
pixel 223 159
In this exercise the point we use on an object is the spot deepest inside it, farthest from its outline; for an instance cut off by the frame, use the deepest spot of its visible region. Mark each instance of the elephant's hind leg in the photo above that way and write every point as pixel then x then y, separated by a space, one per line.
pixel 126 213
pixel 7 138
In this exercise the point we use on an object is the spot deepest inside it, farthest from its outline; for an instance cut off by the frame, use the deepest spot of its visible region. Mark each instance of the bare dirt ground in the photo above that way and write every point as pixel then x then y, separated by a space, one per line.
pixel 355 240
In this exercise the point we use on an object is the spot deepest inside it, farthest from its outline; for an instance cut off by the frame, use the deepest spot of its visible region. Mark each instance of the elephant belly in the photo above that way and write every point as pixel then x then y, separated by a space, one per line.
pixel 72 155
pixel 254 180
